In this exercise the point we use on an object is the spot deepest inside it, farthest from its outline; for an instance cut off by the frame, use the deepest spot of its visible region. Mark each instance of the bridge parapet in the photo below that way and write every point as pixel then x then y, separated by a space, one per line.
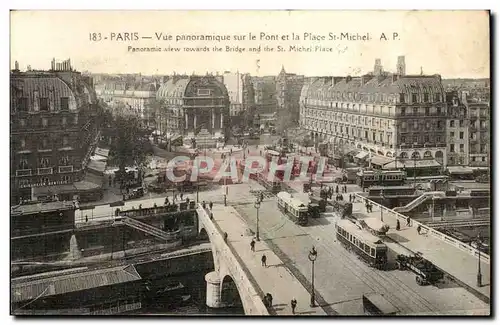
pixel 445 238
pixel 227 264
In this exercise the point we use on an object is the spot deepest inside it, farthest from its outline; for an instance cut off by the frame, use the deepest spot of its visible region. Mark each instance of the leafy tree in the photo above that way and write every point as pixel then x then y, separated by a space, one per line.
pixel 130 144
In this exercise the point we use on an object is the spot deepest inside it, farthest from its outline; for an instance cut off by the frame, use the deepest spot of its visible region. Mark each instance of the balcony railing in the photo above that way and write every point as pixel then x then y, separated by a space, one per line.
pixel 23 172
pixel 65 169
pixel 45 171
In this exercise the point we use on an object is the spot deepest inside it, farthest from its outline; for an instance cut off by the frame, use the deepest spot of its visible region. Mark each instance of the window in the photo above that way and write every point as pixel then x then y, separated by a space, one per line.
pixel 473 158
pixel 22 122
pixel 63 121
pixel 66 178
pixel 23 163
pixel 426 139
pixel 415 110
pixel 438 111
pixel 461 147
pixel 452 124
pixel 65 140
pixel 204 92
pixel 415 139
pixel 45 143
pixel 452 148
pixel 64 103
pixel 426 99
pixel 438 139
pixel 45 122
pixel 44 104
pixel 44 162
pixel 439 124
pixel 64 161
pixel 461 123
pixel 413 98
pixel 22 104
pixel 403 111
pixel 402 98
pixel 45 180
pixel 427 111
pixel 483 158
pixel 403 139
pixel 461 135
pixel 437 98
pixel 22 143
pixel 415 125
pixel 452 134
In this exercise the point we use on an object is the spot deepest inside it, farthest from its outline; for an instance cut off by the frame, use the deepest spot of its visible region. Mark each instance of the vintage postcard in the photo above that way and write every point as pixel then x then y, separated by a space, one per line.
pixel 284 163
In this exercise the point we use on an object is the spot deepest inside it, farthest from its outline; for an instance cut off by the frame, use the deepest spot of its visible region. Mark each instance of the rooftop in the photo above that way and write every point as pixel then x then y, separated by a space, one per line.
pixel 40 207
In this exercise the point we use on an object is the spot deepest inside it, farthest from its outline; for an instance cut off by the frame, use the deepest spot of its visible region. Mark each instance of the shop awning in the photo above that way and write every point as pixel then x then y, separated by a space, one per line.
pixel 380 160
pixel 362 155
pixel 460 170
pixel 413 164
pixel 97 166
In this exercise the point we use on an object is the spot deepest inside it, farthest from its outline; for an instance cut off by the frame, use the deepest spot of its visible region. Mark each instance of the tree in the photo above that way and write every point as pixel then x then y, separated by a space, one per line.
pixel 130 143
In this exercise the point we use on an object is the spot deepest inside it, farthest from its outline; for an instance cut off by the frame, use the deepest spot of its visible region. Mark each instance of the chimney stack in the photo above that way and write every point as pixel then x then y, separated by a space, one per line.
pixel 53 64
pixel 16 66
pixel 395 77
pixel 377 69
pixel 348 79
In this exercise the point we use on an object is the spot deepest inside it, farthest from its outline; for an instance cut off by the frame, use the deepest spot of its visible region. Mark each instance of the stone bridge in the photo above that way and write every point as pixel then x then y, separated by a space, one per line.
pixel 228 280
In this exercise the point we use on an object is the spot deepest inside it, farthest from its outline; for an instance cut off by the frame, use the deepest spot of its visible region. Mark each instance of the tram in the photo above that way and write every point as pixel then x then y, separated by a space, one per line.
pixel 272 186
pixel 368 178
pixel 370 248
pixel 293 208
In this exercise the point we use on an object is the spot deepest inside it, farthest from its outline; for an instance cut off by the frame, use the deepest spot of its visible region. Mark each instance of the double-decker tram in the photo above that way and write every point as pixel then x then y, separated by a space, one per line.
pixel 368 178
pixel 367 246
pixel 293 208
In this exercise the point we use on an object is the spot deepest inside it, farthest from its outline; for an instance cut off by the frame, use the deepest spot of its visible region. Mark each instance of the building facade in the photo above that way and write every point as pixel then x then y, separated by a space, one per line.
pixel 241 96
pixel 457 129
pixel 265 94
pixel 54 130
pixel 384 114
pixel 129 98
pixel 477 104
pixel 288 91
pixel 190 104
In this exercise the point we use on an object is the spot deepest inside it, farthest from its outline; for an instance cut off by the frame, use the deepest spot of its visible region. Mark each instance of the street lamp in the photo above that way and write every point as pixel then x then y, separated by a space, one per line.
pixel 257 207
pixel 313 254
pixel 382 210
pixel 479 275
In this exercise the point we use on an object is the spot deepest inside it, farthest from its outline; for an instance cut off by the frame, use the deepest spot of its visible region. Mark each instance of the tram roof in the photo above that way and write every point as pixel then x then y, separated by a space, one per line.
pixel 351 228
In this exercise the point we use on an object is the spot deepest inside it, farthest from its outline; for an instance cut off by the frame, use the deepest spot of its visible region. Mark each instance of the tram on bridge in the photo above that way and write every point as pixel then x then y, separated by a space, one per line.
pixel 293 208
pixel 368 178
pixel 367 246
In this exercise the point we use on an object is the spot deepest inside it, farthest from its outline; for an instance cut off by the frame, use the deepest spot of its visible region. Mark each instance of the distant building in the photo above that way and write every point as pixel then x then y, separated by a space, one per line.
pixel 129 98
pixel 241 97
pixel 288 89
pixel 379 114
pixel 191 104
pixel 457 129
pixel 265 94
pixel 54 132
pixel 478 108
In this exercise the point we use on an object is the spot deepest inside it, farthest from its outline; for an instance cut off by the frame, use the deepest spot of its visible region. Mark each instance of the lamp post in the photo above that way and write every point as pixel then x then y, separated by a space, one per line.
pixel 313 254
pixel 257 207
pixel 382 210
pixel 479 275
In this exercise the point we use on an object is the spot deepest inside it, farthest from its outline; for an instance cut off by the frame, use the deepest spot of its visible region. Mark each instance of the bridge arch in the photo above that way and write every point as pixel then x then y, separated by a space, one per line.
pixel 230 294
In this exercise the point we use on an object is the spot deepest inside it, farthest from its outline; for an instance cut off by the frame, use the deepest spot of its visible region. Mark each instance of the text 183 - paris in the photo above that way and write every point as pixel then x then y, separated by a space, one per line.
pixel 126 36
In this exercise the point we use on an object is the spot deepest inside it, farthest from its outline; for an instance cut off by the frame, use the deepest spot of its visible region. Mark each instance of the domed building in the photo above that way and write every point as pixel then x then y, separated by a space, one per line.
pixel 196 108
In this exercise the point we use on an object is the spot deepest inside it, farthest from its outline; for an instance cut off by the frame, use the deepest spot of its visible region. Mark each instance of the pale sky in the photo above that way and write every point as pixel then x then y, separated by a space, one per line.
pixel 451 43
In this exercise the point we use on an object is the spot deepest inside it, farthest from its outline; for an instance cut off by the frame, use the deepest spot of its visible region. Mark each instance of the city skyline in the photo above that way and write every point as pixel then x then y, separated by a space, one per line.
pixel 435 51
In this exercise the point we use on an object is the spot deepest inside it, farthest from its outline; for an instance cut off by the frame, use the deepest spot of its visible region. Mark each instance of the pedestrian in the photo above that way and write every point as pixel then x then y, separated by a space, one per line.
pixel 293 303
pixel 261 196
pixel 252 245
pixel 166 201
pixel 203 204
pixel 211 215
pixel 263 260
pixel 269 299
pixel 86 218
pixel 345 188
pixel 408 222
pixel 225 237
pixel 398 225
pixel 337 189
pixel 211 205
pixel 419 228
pixel 182 194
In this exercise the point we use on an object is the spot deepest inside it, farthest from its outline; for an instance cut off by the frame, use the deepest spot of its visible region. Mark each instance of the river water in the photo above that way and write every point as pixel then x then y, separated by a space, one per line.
pixel 189 300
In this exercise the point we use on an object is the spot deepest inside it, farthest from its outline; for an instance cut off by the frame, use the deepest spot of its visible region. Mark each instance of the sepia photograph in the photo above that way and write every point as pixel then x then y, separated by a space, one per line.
pixel 250 163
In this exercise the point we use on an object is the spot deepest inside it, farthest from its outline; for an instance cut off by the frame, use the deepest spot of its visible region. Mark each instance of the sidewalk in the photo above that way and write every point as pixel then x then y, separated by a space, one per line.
pixel 450 259
pixel 275 279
